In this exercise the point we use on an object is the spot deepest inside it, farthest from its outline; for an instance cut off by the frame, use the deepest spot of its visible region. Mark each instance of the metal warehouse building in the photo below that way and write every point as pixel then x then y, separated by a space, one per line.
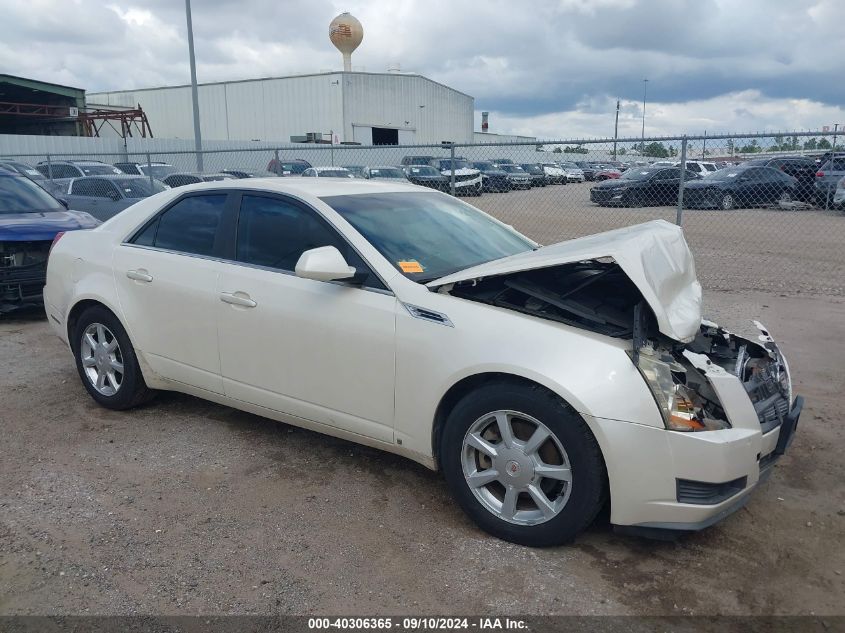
pixel 345 107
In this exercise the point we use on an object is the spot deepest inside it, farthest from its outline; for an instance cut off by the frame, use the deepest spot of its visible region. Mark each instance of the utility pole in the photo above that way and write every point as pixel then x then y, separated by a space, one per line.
pixel 616 130
pixel 194 93
pixel 645 92
pixel 704 146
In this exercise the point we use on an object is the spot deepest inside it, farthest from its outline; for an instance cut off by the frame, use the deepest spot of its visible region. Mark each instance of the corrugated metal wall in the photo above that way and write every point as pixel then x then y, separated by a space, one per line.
pixel 276 109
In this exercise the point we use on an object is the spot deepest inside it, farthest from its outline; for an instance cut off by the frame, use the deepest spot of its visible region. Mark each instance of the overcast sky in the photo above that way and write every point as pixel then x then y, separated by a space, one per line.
pixel 551 68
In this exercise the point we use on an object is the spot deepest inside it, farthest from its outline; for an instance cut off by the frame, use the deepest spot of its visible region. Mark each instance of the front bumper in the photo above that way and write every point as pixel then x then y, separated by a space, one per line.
pixel 22 286
pixel 669 480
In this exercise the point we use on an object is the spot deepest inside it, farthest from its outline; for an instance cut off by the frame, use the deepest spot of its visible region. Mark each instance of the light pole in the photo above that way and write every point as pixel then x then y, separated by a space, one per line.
pixel 194 94
pixel 616 130
pixel 645 92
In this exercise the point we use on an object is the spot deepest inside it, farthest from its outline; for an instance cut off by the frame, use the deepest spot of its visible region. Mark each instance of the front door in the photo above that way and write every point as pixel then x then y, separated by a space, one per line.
pixel 322 351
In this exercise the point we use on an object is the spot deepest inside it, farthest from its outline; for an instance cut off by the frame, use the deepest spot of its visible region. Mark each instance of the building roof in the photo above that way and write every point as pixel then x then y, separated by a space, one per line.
pixel 45 86
pixel 256 79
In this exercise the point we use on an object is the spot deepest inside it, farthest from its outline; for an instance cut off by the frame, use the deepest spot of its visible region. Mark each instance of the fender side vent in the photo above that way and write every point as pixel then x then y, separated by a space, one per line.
pixel 428 315
pixel 704 493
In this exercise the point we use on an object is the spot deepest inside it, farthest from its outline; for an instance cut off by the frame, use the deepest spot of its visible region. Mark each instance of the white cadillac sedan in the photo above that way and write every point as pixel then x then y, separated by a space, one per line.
pixel 542 381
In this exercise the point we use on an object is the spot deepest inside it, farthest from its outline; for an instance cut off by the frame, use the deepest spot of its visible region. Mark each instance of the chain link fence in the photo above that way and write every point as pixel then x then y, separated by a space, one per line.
pixel 760 212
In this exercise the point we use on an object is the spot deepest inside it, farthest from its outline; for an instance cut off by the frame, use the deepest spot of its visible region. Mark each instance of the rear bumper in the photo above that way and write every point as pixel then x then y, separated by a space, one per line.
pixel 665 480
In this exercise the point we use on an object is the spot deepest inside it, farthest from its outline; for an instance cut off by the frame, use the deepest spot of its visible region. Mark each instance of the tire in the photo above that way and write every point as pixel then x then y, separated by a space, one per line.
pixel 726 203
pixel 571 506
pixel 126 388
pixel 633 200
pixel 784 197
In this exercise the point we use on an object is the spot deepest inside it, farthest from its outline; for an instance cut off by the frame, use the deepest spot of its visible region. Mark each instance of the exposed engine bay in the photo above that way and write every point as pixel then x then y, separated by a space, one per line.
pixel 598 296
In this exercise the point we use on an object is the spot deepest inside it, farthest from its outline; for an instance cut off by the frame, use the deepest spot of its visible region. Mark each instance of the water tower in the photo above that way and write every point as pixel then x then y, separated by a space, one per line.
pixel 346 33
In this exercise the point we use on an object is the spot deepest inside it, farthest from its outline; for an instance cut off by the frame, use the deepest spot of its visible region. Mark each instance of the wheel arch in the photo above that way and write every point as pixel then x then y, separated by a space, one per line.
pixel 79 307
pixel 469 383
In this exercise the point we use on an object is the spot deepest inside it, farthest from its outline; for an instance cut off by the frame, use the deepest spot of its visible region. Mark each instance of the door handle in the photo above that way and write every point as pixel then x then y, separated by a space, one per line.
pixel 139 275
pixel 237 299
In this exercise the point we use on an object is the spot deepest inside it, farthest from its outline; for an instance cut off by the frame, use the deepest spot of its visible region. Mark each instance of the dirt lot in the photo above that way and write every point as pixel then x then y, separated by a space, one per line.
pixel 185 507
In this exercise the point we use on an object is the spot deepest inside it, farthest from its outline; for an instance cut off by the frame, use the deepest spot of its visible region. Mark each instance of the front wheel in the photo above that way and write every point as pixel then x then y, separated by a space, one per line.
pixel 727 202
pixel 523 464
pixel 106 361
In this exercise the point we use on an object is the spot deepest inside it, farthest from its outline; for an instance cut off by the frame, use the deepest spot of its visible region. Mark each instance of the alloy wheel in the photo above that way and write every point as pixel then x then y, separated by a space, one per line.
pixel 102 359
pixel 727 202
pixel 516 467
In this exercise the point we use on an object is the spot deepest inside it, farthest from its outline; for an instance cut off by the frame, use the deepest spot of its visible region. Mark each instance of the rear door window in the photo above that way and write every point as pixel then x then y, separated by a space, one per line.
pixel 189 226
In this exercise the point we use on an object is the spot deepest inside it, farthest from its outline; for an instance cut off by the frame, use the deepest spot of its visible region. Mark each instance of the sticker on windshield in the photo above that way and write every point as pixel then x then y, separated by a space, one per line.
pixel 411 266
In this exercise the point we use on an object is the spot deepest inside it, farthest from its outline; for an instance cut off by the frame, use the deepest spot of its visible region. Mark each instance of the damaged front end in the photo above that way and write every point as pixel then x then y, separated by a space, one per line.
pixel 684 376
pixel 23 271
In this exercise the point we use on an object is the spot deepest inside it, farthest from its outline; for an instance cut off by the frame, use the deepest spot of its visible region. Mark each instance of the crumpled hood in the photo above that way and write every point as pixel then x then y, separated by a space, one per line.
pixel 654 255
pixel 42 225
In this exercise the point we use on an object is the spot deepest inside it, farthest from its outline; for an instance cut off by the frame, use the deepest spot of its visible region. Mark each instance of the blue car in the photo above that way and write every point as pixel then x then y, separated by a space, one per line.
pixel 30 219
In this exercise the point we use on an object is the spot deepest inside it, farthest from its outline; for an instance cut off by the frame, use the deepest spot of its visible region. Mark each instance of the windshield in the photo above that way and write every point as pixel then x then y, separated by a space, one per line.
pixel 423 171
pixel 98 170
pixel 638 174
pixel 729 173
pixel 512 169
pixel 157 171
pixel 569 166
pixel 446 165
pixel 532 169
pixel 387 172
pixel 428 235
pixel 21 195
pixel 334 173
pixel 138 187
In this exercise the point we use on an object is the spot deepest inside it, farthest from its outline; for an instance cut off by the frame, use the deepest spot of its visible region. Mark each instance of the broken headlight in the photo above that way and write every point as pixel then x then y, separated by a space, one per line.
pixel 677 403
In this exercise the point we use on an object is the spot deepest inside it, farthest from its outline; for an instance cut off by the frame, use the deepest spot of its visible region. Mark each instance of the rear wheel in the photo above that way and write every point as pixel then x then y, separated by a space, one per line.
pixel 727 202
pixel 106 361
pixel 522 464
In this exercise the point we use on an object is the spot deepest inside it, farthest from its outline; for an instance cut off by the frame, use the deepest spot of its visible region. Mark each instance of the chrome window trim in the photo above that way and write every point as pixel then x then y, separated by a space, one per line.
pixel 290 273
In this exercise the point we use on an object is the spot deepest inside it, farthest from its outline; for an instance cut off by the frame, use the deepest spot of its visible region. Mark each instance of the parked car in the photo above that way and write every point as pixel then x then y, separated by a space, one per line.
pixel 699 168
pixel 502 161
pixel 839 195
pixel 588 169
pixel 106 196
pixel 495 180
pixel 246 173
pixel 30 220
pixel 327 172
pixel 417 160
pixel 427 176
pixel 640 187
pixel 181 179
pixel 828 175
pixel 518 177
pixel 555 174
pixel 23 169
pixel 607 172
pixel 293 167
pixel 536 173
pixel 544 382
pixel 356 170
pixel 155 169
pixel 467 179
pixel 384 172
pixel 573 172
pixel 802 169
pixel 742 186
pixel 75 168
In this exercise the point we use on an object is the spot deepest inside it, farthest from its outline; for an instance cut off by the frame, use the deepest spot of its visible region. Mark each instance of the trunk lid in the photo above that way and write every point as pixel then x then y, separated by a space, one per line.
pixel 654 255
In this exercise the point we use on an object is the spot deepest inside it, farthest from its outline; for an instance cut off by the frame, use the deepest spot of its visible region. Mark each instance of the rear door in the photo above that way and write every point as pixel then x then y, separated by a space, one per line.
pixel 166 276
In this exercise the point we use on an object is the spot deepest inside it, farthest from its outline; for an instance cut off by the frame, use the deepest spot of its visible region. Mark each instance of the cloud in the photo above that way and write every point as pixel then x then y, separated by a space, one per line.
pixel 528 64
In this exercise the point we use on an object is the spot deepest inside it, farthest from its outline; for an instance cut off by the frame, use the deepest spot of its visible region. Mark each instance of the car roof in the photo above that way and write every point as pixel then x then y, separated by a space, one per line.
pixel 315 187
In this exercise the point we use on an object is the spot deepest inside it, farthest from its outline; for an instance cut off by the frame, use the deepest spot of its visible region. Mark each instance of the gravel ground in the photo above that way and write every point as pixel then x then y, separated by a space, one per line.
pixel 186 507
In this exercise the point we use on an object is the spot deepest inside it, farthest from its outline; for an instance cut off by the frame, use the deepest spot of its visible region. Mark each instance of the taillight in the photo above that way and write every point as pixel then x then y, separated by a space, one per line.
pixel 55 241
pixel 819 174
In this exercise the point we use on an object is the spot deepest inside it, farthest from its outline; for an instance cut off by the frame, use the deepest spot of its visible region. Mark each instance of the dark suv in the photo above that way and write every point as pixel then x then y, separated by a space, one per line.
pixel 417 160
pixel 802 169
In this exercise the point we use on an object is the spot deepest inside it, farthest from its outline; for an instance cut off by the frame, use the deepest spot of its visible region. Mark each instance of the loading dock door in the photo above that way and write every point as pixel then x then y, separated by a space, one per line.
pixel 385 136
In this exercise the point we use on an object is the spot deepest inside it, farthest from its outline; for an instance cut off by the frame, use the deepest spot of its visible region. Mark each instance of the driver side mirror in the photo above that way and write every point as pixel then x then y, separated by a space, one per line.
pixel 323 264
